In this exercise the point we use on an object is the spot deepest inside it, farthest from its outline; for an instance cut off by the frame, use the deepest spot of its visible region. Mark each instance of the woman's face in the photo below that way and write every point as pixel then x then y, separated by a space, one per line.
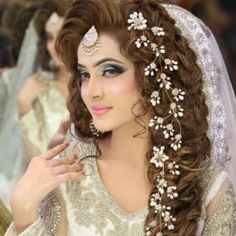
pixel 52 28
pixel 108 85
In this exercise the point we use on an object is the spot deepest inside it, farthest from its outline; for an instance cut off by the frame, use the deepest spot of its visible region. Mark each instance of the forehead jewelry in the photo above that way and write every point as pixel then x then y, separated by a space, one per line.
pixel 90 42
pixel 54 18
pixel 169 125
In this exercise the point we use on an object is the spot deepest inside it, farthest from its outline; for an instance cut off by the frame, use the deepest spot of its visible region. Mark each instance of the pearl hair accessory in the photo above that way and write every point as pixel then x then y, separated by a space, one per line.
pixel 54 18
pixel 90 42
pixel 170 125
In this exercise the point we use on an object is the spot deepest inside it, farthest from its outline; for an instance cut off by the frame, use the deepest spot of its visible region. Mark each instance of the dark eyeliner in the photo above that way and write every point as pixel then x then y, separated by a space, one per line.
pixel 81 73
pixel 114 69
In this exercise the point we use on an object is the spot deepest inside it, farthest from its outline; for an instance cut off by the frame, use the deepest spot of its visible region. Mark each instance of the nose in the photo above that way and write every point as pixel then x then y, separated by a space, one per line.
pixel 94 88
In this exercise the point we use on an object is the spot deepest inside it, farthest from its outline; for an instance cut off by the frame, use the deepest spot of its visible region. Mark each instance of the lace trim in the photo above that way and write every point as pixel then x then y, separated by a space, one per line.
pixel 223 220
pixel 109 201
pixel 191 29
pixel 50 212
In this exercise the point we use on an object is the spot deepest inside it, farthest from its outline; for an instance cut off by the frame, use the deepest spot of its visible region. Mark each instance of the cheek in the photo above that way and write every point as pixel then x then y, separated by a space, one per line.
pixel 83 91
pixel 126 87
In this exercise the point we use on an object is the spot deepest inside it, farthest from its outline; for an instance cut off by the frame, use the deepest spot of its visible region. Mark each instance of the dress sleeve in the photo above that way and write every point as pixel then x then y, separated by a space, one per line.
pixel 32 131
pixel 48 221
pixel 221 210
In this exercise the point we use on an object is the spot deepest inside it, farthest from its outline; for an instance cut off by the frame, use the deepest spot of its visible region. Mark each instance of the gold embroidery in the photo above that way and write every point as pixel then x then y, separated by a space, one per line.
pixel 93 208
pixel 223 220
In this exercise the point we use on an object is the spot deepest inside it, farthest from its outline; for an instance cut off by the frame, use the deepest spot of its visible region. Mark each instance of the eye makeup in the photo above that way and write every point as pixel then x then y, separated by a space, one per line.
pixel 112 70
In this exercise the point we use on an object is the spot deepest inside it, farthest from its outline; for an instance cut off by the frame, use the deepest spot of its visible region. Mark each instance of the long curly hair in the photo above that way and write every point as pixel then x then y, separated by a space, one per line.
pixel 110 16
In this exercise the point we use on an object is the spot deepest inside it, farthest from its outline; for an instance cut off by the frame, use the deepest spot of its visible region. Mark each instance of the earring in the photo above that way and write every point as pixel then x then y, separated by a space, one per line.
pixel 95 132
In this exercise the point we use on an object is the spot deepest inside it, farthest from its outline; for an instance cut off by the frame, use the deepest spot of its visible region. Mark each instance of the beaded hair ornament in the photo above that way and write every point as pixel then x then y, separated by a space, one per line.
pixel 90 42
pixel 175 95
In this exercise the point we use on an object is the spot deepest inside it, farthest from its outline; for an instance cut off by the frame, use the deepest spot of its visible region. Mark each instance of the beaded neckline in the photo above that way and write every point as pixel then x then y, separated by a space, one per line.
pixel 140 214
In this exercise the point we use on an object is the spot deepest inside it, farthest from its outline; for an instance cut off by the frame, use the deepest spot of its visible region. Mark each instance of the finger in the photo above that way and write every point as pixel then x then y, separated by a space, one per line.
pixel 62 169
pixel 59 136
pixel 66 161
pixel 66 125
pixel 69 176
pixel 51 153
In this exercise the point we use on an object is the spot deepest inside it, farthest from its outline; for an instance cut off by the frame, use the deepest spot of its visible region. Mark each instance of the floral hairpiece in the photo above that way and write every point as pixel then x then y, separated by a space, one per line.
pixel 167 124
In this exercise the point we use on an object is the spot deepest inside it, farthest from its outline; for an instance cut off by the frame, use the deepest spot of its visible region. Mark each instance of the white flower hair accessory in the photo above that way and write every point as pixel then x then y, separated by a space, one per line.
pixel 169 125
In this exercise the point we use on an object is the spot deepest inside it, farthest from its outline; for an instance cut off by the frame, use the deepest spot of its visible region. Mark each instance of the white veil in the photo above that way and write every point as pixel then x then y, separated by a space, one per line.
pixel 220 96
pixel 12 162
pixel 227 96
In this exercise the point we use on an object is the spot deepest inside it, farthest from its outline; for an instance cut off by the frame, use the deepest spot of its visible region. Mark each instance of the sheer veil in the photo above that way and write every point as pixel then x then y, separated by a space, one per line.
pixel 11 159
pixel 220 96
pixel 227 96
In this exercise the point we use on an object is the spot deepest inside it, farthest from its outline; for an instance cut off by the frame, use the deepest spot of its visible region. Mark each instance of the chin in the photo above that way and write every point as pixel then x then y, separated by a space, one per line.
pixel 103 126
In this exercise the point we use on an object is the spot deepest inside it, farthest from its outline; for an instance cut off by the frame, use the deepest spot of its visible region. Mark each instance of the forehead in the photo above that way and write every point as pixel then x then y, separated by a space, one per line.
pixel 110 48
pixel 54 26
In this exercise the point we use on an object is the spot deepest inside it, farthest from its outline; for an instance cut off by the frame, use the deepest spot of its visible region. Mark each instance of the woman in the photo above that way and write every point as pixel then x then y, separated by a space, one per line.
pixel 42 100
pixel 148 146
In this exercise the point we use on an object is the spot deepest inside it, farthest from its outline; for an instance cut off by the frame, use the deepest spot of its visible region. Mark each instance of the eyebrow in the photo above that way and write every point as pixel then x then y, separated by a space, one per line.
pixel 100 62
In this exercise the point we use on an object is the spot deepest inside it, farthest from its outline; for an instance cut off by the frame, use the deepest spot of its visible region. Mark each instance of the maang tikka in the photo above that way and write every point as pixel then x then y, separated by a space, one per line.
pixel 90 42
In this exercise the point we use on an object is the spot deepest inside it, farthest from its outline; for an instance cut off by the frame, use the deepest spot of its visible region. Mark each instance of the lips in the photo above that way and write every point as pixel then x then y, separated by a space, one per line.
pixel 100 110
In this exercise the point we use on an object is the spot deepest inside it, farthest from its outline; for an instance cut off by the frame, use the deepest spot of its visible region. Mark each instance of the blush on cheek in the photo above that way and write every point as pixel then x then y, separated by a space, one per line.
pixel 124 86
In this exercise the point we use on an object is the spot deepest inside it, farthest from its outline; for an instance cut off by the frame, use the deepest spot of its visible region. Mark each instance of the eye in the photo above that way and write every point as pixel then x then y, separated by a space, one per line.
pixel 82 75
pixel 111 71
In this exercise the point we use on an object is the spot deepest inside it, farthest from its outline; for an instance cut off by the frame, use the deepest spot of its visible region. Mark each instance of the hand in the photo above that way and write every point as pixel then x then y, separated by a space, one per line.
pixel 33 86
pixel 59 136
pixel 43 175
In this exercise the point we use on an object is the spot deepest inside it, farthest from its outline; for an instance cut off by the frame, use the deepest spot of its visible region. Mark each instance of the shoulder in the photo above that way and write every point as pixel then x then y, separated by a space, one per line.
pixel 216 184
pixel 81 148
pixel 218 205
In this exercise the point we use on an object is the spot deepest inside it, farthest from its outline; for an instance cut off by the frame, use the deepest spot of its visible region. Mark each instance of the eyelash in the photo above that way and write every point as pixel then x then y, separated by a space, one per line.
pixel 109 72
pixel 83 73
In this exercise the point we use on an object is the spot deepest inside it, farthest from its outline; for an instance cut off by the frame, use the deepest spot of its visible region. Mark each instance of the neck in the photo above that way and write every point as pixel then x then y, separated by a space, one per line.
pixel 122 146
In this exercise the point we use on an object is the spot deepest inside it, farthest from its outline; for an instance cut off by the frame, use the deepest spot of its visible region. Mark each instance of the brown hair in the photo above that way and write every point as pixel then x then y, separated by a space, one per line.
pixel 45 11
pixel 22 22
pixel 110 16
pixel 8 25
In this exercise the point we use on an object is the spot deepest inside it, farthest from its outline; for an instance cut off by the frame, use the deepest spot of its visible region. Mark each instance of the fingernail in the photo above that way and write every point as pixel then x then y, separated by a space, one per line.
pixel 74 157
pixel 66 143
pixel 81 165
pixel 82 173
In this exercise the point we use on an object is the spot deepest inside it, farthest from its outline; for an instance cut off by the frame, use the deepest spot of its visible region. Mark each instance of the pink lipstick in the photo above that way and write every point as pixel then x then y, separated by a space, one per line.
pixel 100 110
